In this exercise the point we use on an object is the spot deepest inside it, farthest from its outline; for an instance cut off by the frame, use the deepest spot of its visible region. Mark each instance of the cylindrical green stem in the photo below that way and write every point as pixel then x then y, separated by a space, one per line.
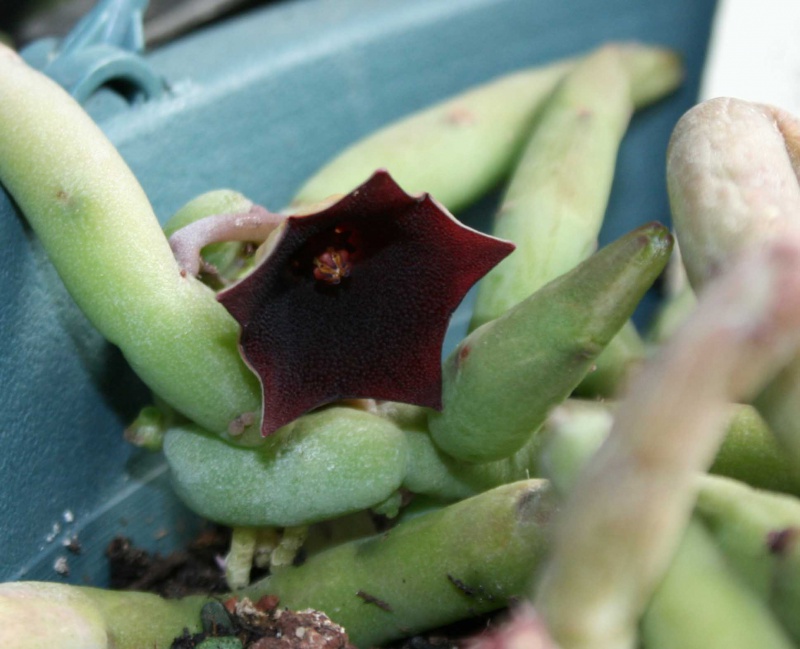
pixel 464 146
pixel 751 453
pixel 702 604
pixel 786 587
pixel 555 203
pixel 437 568
pixel 741 519
pixel 323 465
pixel 100 232
pixel 455 150
pixel 434 569
pixel 758 531
pixel 779 403
pixel 502 380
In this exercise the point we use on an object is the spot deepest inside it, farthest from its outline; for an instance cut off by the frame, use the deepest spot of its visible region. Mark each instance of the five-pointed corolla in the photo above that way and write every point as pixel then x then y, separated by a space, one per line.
pixel 353 301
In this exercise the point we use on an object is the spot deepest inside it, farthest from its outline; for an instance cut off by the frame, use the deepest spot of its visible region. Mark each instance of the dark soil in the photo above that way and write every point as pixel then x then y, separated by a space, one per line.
pixel 193 570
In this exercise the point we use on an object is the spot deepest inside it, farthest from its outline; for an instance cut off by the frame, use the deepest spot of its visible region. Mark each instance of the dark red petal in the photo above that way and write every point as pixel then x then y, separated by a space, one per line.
pixel 378 332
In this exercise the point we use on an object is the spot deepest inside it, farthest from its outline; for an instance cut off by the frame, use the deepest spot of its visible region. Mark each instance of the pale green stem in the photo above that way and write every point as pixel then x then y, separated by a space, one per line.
pixel 323 465
pixel 702 604
pixel 240 557
pixel 758 531
pixel 455 150
pixel 465 145
pixel 100 233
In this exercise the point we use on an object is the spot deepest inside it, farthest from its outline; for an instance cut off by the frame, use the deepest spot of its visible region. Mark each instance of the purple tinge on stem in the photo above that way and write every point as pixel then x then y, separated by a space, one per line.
pixel 353 301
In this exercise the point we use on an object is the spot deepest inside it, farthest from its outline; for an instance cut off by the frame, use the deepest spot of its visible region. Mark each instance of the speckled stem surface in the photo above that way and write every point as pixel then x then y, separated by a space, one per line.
pixel 100 233
pixel 555 202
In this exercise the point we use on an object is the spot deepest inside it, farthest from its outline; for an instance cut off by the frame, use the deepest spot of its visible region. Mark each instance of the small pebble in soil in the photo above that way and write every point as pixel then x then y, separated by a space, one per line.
pixel 61 566
pixel 242 623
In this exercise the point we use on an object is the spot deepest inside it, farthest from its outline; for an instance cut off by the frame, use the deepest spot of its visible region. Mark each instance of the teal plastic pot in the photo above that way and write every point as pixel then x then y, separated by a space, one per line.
pixel 257 104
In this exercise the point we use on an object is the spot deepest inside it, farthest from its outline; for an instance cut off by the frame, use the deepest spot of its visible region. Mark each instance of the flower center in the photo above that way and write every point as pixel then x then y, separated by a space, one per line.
pixel 332 266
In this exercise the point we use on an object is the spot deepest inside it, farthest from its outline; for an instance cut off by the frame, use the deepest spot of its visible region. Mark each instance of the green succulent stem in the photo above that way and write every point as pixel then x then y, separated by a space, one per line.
pixel 749 451
pixel 702 604
pixel 468 558
pixel 752 454
pixel 758 532
pixel 323 465
pixel 101 234
pixel 555 202
pixel 502 380
pixel 786 588
pixel 433 569
pixel 460 148
pixel 455 150
pixel 734 560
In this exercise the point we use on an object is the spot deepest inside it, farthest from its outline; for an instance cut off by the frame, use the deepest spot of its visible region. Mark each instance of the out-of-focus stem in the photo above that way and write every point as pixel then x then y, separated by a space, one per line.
pixel 732 171
pixel 524 630
pixel 732 179
pixel 41 615
pixel 702 604
pixel 759 533
pixel 751 454
pixel 625 515
pixel 574 430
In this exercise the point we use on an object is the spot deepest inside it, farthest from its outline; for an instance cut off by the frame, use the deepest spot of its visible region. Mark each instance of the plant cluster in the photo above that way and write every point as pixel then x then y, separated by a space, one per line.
pixel 294 359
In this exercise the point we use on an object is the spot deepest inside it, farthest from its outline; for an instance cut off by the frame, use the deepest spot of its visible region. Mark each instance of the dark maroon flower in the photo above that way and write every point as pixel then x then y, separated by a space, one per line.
pixel 353 301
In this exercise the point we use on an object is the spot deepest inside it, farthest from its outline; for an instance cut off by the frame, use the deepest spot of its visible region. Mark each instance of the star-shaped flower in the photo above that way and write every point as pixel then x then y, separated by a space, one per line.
pixel 353 301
